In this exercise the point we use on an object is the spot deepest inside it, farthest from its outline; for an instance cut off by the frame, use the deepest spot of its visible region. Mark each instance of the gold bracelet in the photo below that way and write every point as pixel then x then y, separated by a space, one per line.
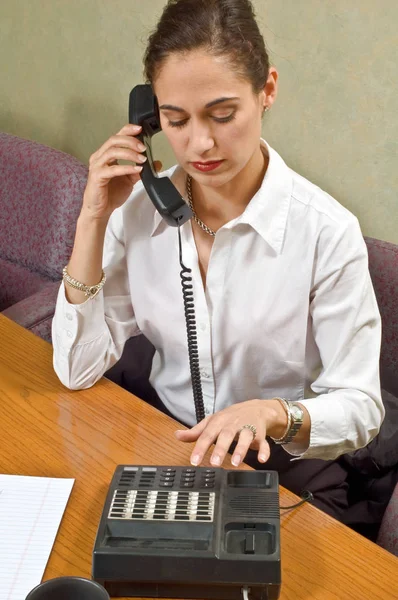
pixel 289 421
pixel 90 291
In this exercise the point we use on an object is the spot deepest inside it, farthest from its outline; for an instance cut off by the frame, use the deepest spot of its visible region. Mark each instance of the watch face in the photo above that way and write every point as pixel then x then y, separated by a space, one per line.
pixel 297 412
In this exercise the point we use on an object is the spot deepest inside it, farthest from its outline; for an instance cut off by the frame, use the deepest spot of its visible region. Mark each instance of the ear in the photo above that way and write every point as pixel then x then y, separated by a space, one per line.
pixel 270 90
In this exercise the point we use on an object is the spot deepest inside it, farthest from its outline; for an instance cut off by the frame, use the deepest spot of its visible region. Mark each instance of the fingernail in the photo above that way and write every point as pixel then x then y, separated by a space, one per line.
pixel 215 460
pixel 141 147
pixel 137 169
pixel 262 458
pixel 236 460
pixel 141 159
pixel 195 460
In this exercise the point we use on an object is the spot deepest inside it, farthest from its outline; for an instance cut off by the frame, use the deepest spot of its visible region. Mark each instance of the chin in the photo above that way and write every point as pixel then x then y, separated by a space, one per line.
pixel 216 180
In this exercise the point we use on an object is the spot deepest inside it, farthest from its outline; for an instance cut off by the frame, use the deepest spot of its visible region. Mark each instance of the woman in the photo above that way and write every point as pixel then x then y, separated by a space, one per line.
pixel 288 326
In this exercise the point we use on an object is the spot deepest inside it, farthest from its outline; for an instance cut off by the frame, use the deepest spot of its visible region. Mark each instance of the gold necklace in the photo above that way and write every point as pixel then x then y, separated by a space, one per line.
pixel 195 216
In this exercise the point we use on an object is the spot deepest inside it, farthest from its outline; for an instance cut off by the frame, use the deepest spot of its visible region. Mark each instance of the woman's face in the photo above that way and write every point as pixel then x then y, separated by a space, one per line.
pixel 210 116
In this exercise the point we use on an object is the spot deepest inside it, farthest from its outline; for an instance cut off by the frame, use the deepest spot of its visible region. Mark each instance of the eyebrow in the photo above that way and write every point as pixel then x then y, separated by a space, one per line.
pixel 208 105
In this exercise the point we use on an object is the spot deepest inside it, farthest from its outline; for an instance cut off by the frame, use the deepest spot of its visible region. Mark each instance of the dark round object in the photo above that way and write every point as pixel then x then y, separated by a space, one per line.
pixel 68 588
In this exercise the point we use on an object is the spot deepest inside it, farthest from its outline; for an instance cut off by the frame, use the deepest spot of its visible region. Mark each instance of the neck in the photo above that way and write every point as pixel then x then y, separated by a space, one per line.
pixel 217 206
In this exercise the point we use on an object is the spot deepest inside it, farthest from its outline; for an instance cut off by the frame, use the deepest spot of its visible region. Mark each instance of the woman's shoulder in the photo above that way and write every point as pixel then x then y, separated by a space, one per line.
pixel 307 199
pixel 311 197
pixel 324 218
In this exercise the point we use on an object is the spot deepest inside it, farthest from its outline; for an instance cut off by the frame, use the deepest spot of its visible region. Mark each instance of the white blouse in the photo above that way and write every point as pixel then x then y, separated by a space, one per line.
pixel 288 310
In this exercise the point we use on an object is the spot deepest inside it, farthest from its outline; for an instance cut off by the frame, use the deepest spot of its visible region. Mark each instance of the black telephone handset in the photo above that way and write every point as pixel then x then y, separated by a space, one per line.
pixel 143 110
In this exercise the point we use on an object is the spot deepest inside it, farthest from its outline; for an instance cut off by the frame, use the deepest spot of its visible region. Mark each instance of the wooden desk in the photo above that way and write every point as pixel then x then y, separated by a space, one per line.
pixel 47 430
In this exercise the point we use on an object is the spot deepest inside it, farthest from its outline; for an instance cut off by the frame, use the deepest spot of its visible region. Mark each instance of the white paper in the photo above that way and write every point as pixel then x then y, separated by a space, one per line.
pixel 31 510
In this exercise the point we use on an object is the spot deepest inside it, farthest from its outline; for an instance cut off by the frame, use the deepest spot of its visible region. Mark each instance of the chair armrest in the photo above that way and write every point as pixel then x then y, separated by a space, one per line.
pixel 35 309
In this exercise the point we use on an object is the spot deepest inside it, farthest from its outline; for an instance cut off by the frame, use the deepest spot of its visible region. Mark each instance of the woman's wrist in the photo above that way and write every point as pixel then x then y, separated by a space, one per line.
pixel 276 418
pixel 87 219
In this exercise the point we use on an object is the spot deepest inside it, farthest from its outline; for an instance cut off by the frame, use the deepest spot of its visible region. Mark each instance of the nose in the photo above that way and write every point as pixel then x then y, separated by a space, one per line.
pixel 201 138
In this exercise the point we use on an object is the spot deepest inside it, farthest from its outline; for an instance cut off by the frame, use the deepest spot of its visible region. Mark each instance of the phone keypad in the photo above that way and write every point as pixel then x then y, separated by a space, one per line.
pixel 207 478
pixel 173 479
pixel 167 478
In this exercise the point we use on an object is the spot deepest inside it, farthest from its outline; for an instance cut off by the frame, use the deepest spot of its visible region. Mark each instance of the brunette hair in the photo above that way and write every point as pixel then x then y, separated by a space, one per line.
pixel 222 27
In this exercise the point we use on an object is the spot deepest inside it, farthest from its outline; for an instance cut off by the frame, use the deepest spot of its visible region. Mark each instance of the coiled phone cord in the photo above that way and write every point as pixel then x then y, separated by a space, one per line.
pixel 192 336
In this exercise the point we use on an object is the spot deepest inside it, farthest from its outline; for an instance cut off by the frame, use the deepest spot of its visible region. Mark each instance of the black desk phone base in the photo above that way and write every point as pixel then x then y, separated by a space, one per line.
pixel 190 532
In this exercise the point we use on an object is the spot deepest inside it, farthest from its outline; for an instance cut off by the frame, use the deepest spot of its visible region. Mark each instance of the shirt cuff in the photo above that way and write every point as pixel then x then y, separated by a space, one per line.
pixel 328 431
pixel 79 323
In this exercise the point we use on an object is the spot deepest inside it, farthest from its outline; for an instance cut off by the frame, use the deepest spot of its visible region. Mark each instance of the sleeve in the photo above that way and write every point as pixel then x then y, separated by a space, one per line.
pixel 88 338
pixel 347 410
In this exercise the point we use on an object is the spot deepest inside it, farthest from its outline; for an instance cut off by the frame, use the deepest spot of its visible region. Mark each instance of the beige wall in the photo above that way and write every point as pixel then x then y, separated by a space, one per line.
pixel 67 67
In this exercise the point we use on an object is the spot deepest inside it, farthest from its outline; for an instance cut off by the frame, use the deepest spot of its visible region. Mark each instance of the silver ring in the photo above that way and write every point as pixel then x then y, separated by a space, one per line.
pixel 252 428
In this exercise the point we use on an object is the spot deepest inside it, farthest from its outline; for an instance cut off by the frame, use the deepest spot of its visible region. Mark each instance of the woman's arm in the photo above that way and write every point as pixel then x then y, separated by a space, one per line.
pixel 89 334
pixel 88 338
pixel 347 410
pixel 85 264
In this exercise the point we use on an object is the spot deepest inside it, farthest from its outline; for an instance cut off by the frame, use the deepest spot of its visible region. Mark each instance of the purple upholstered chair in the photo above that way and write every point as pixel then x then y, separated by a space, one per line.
pixel 41 192
pixel 383 266
pixel 388 533
pixel 379 460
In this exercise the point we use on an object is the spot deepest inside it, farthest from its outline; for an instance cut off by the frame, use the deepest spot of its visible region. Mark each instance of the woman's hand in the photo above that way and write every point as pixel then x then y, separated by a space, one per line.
pixel 225 426
pixel 110 184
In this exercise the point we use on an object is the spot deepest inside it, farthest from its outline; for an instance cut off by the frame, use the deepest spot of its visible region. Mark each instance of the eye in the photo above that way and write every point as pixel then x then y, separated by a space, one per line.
pixel 183 122
pixel 226 119
pixel 178 124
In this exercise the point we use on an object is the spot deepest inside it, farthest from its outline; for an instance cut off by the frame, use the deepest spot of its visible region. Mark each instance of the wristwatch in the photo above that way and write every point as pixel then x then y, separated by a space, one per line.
pixel 295 418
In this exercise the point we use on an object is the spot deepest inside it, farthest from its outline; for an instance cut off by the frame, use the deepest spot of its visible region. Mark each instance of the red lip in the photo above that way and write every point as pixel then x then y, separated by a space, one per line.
pixel 207 166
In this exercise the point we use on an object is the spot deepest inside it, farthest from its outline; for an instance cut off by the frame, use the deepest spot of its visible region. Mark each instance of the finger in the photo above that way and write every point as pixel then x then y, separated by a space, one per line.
pixel 224 441
pixel 245 440
pixel 129 129
pixel 113 154
pixel 131 171
pixel 119 141
pixel 205 440
pixel 264 451
pixel 190 435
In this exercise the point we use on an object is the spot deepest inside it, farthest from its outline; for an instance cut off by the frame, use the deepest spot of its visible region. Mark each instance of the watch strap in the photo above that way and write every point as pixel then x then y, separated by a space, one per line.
pixel 293 423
